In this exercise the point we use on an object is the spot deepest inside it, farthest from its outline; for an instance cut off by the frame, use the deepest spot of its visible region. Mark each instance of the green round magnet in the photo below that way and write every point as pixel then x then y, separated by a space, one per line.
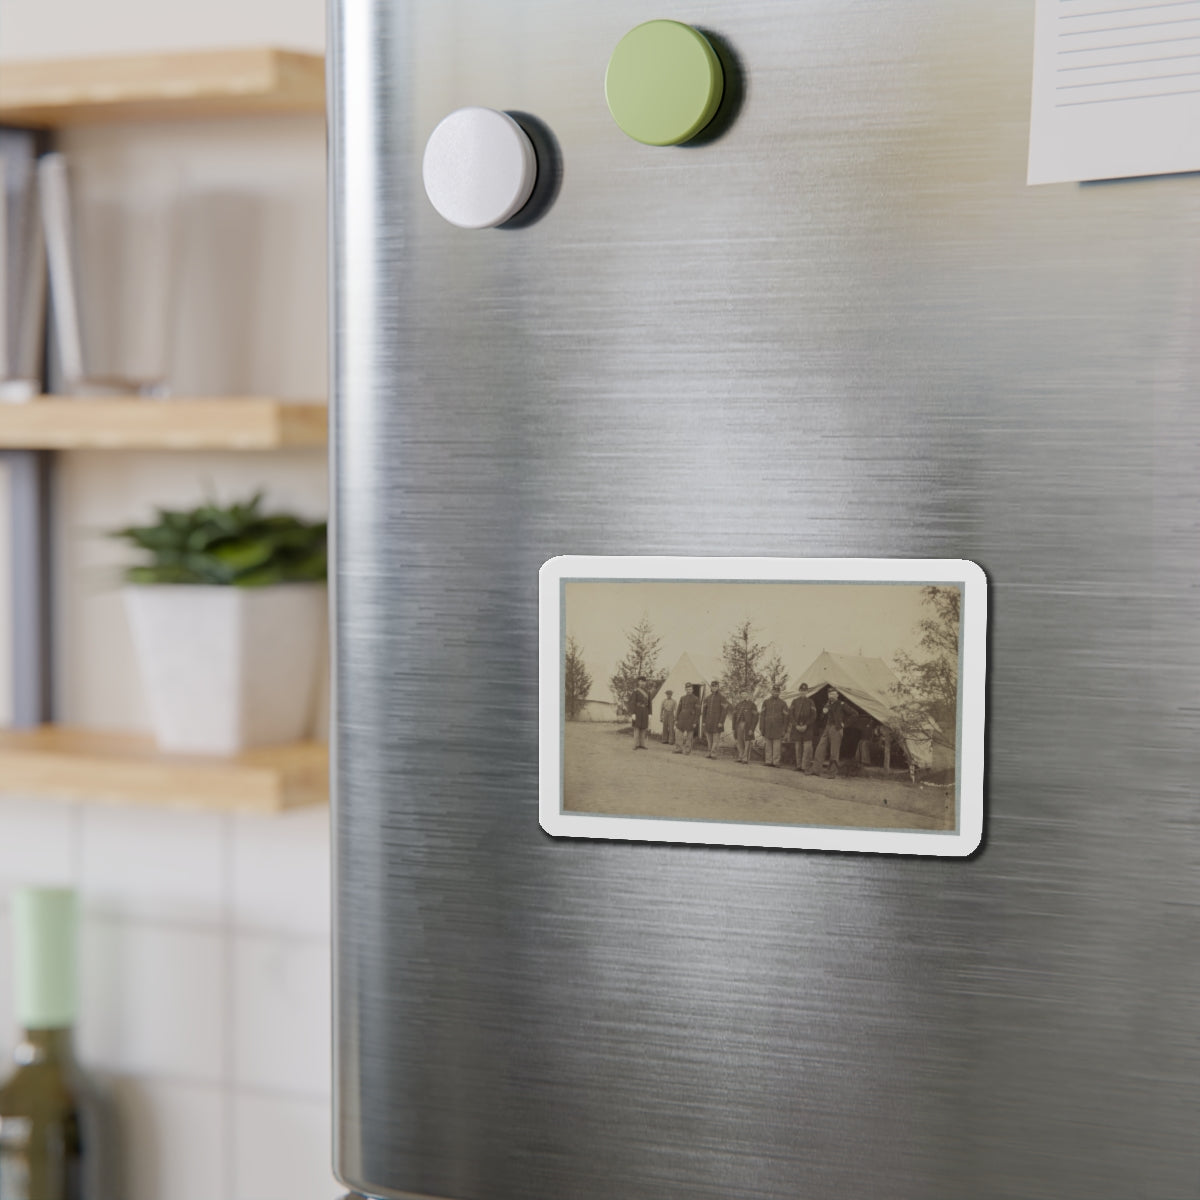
pixel 664 83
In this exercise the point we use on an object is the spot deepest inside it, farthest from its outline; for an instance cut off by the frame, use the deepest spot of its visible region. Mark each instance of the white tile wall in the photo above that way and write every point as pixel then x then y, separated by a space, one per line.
pixel 38 843
pixel 282 1015
pixel 205 977
pixel 154 864
pixel 282 1150
pixel 281 872
pixel 171 1141
pixel 156 1000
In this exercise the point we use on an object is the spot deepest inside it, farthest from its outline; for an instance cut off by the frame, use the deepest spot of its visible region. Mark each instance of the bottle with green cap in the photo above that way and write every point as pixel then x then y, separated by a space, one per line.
pixel 44 1151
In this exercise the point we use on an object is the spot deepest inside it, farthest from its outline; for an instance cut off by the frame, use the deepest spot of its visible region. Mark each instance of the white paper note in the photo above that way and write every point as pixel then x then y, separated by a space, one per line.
pixel 1116 89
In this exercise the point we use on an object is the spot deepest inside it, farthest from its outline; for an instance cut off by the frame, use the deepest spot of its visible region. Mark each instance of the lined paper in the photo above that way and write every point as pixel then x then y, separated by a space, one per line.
pixel 1116 89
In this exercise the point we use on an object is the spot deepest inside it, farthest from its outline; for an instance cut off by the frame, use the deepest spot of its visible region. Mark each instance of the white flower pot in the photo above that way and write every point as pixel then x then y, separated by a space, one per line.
pixel 227 668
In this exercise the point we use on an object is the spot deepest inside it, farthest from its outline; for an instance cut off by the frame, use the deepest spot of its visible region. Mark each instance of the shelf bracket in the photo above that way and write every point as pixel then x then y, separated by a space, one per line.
pixel 29 474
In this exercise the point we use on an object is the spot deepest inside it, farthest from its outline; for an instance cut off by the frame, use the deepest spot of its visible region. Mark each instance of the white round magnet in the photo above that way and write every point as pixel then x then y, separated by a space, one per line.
pixel 479 168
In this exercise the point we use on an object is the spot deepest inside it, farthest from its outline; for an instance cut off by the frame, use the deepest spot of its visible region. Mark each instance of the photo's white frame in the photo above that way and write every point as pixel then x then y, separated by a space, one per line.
pixel 959 842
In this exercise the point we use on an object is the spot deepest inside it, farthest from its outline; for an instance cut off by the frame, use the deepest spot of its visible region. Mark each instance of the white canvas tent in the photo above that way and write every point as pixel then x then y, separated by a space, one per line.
pixel 690 668
pixel 867 683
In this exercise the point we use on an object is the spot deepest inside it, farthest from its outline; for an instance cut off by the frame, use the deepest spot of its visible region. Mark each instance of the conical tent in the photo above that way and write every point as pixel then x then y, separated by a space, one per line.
pixel 690 668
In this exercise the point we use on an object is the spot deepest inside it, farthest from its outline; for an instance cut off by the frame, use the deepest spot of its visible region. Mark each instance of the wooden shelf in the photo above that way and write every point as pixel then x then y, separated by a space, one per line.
pixel 228 423
pixel 78 764
pixel 216 83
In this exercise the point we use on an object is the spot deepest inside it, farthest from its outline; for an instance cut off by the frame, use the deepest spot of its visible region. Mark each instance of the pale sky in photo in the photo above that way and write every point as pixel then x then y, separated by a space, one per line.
pixel 801 619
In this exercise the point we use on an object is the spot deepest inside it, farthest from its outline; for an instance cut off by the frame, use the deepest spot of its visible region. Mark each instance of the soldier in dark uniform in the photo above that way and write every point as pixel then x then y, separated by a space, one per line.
pixel 639 703
pixel 868 732
pixel 687 717
pixel 715 710
pixel 835 714
pixel 774 723
pixel 802 720
pixel 745 718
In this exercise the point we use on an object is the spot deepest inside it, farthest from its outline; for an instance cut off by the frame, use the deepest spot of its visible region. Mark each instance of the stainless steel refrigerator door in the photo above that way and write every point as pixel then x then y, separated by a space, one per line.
pixel 845 327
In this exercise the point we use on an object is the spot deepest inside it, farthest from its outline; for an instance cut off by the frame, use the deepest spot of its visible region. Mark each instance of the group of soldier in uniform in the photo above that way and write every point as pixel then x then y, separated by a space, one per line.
pixel 690 717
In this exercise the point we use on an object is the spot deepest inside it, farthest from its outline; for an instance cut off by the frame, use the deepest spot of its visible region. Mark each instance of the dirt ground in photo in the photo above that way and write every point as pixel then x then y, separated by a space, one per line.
pixel 603 774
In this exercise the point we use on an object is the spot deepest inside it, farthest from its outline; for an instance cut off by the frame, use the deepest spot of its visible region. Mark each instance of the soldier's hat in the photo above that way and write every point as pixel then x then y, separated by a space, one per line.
pixel 716 683
pixel 804 687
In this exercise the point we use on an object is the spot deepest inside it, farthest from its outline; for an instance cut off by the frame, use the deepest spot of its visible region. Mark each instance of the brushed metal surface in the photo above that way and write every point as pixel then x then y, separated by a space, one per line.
pixel 850 303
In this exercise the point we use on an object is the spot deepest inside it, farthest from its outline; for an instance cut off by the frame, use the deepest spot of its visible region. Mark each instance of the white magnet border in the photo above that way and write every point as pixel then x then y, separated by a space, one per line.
pixel 961 841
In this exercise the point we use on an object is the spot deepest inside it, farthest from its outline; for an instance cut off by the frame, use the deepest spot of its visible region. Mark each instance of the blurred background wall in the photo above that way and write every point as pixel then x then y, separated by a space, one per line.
pixel 205 946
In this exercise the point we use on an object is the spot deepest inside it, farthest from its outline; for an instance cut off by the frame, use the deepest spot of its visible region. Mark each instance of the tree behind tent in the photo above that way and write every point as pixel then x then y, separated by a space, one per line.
pixel 640 659
pixel 926 694
pixel 577 682
pixel 741 656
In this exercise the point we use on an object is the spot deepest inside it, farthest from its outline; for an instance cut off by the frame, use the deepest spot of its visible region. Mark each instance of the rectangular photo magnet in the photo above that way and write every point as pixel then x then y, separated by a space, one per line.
pixel 806 703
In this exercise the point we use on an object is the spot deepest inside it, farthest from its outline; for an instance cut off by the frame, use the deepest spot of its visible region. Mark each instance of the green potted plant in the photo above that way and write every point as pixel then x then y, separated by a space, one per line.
pixel 228 622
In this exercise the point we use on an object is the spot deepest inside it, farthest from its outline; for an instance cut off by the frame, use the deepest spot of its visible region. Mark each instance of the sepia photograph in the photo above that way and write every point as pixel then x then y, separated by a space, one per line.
pixel 827 704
